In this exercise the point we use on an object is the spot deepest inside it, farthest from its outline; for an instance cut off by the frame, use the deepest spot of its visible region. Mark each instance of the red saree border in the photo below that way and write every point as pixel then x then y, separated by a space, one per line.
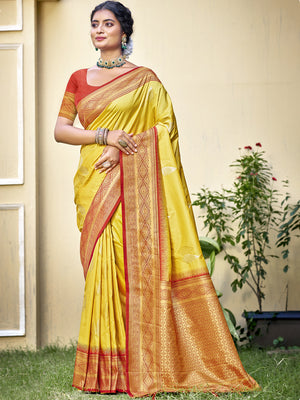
pixel 159 200
pixel 164 239
pixel 141 239
pixel 86 374
pixel 160 208
pixel 190 277
pixel 102 353
pixel 104 204
pixel 126 273
pixel 128 166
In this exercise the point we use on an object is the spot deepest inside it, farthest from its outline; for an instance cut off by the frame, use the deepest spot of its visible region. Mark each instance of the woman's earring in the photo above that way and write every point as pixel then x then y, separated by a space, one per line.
pixel 124 42
pixel 96 48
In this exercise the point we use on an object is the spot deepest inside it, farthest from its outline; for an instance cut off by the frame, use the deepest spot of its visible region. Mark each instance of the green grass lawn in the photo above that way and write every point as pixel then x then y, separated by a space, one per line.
pixel 47 374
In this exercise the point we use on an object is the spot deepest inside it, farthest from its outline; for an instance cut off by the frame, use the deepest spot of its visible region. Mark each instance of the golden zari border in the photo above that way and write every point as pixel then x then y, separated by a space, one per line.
pixel 93 104
pixel 97 370
pixel 141 233
pixel 102 208
pixel 68 108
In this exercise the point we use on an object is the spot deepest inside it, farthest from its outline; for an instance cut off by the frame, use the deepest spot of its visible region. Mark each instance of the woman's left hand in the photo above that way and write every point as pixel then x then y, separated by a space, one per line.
pixel 110 158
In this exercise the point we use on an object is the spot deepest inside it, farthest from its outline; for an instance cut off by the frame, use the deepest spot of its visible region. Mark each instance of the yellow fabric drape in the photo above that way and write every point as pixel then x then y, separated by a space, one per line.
pixel 100 359
pixel 172 335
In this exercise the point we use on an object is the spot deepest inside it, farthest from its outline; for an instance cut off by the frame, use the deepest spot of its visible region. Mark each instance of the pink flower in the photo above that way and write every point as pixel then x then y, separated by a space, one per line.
pixel 239 177
pixel 258 144
pixel 248 147
pixel 251 173
pixel 274 179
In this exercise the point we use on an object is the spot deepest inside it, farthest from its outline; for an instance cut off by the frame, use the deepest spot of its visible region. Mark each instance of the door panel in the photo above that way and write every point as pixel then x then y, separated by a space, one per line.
pixel 12 283
pixel 11 114
pixel 18 179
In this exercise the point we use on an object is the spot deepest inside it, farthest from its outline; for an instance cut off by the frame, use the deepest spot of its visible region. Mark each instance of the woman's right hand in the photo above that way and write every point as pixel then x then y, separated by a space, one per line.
pixel 127 146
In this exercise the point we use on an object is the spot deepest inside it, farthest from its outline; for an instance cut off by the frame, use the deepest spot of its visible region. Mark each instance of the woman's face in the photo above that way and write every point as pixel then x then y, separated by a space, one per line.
pixel 106 31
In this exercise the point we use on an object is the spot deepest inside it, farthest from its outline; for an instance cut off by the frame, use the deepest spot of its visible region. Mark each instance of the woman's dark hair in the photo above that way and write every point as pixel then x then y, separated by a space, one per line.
pixel 121 12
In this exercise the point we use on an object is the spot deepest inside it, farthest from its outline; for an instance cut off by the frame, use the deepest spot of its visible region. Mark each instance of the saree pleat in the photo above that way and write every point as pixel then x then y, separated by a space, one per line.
pixel 100 358
pixel 151 319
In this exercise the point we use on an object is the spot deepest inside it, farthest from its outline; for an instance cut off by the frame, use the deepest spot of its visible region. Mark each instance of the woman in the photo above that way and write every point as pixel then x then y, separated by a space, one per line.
pixel 151 319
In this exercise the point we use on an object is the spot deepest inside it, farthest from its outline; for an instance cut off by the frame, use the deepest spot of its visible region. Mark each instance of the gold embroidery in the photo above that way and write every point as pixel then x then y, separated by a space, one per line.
pixel 68 109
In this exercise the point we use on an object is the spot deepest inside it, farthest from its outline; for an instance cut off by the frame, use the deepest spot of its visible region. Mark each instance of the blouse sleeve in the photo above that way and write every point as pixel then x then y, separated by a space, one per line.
pixel 68 107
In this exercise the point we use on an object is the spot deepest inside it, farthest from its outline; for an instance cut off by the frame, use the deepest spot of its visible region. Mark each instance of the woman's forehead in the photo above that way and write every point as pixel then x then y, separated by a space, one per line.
pixel 104 15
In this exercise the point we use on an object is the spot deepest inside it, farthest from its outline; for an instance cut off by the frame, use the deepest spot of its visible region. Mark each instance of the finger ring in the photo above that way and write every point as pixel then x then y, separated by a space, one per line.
pixel 106 164
pixel 123 143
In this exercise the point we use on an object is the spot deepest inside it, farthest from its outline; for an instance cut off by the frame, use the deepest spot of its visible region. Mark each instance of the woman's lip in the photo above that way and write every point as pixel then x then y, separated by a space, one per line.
pixel 100 38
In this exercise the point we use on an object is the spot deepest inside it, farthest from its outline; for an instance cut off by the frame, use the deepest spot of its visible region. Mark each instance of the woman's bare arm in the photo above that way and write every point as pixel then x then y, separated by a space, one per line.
pixel 65 132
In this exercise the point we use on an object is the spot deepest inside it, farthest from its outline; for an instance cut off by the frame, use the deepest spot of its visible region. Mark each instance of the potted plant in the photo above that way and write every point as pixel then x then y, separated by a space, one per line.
pixel 247 217
pixel 281 327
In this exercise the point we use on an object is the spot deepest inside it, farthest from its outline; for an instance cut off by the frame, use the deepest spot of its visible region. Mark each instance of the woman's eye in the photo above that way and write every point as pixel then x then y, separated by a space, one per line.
pixel 109 24
pixel 94 25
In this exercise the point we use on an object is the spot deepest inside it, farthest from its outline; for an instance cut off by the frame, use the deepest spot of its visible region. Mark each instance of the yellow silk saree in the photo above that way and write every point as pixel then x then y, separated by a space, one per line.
pixel 151 319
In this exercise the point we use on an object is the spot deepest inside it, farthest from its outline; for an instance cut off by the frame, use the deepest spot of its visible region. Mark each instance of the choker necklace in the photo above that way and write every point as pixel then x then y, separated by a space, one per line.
pixel 117 62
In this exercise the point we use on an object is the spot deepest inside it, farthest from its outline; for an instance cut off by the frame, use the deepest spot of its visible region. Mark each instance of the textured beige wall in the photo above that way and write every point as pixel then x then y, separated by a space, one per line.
pixel 232 70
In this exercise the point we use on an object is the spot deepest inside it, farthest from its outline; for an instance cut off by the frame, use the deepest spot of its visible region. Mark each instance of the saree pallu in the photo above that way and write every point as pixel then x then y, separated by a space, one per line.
pixel 151 319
